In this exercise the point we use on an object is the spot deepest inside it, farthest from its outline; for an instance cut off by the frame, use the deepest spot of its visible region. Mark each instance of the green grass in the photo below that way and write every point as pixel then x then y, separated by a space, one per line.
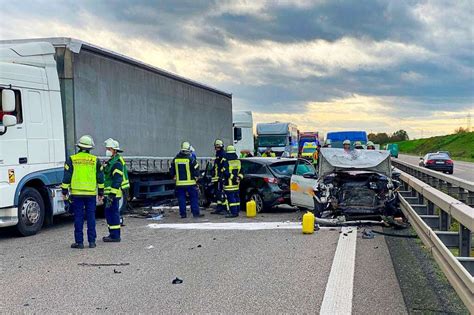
pixel 460 146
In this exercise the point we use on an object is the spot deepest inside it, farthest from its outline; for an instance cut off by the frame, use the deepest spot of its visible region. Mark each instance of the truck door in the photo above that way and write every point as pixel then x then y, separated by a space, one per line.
pixel 302 183
pixel 37 130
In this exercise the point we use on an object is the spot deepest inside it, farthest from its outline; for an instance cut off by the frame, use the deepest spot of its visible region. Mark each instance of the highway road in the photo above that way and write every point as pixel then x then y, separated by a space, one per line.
pixel 261 265
pixel 464 170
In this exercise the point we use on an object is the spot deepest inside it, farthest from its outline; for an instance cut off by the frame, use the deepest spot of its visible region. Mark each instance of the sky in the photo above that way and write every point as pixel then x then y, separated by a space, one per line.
pixel 324 65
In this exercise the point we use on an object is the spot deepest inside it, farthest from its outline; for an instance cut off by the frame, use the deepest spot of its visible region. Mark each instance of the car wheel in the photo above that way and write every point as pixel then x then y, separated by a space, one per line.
pixel 255 196
pixel 451 172
pixel 204 202
pixel 31 212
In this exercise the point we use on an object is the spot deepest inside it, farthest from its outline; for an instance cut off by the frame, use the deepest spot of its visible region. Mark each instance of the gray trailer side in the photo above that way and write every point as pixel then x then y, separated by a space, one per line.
pixel 148 110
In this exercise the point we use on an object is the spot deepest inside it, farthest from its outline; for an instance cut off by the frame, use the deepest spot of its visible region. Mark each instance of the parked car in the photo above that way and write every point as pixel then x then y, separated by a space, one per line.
pixel 356 184
pixel 266 180
pixel 439 161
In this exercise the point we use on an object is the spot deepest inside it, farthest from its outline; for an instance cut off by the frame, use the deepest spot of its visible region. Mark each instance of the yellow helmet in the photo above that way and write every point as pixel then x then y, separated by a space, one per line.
pixel 185 146
pixel 86 142
pixel 219 143
pixel 230 149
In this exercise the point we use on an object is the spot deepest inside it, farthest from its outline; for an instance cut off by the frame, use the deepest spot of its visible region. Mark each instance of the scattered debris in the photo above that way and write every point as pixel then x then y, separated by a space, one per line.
pixel 116 271
pixel 150 247
pixel 26 304
pixel 177 281
pixel 104 265
pixel 214 239
pixel 345 234
pixel 22 256
pixel 199 246
pixel 368 234
pixel 375 247
pixel 157 217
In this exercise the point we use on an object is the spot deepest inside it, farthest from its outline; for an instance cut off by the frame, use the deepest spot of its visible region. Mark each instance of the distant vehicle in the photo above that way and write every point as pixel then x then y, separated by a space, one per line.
pixel 338 137
pixel 393 148
pixel 266 181
pixel 282 138
pixel 358 185
pixel 305 137
pixel 438 162
pixel 308 150
pixel 244 121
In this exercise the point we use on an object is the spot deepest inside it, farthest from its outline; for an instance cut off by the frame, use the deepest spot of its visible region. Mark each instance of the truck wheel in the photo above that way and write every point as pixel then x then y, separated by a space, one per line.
pixel 31 212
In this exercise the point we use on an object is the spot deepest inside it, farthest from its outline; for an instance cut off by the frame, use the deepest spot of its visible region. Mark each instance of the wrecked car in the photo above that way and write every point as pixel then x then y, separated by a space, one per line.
pixel 356 183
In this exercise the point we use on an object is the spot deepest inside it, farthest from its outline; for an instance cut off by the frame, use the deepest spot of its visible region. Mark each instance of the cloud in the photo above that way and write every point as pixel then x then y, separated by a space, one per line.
pixel 404 61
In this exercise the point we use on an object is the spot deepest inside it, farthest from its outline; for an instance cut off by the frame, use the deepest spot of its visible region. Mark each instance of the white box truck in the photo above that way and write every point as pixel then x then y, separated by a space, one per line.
pixel 243 120
pixel 54 90
pixel 281 137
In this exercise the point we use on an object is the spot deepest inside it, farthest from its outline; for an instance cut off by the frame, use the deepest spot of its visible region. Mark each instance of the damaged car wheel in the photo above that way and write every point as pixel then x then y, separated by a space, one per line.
pixel 255 196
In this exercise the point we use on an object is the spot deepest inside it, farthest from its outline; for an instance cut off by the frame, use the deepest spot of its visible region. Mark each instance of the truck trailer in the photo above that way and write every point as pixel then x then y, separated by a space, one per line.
pixel 56 89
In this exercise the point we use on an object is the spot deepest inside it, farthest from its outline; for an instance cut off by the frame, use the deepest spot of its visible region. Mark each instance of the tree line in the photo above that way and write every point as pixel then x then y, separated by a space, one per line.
pixel 383 137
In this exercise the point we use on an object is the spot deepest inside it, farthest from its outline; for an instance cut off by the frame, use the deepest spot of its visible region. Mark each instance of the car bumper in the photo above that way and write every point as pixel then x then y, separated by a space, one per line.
pixel 8 216
pixel 275 197
pixel 443 168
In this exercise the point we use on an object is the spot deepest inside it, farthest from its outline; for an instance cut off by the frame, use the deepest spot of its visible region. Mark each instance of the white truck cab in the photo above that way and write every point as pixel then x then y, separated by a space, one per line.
pixel 32 150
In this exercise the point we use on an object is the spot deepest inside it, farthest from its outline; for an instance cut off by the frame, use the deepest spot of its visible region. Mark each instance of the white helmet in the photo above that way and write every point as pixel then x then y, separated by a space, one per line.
pixel 112 144
pixel 86 142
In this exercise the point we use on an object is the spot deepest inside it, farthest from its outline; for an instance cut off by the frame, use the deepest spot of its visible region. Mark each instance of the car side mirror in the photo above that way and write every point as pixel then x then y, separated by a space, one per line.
pixel 8 101
pixel 309 175
pixel 9 120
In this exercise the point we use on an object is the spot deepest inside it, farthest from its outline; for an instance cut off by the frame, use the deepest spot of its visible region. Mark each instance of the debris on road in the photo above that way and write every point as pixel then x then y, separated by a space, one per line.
pixel 368 234
pixel 103 265
pixel 150 247
pixel 116 271
pixel 177 281
pixel 199 246
pixel 158 217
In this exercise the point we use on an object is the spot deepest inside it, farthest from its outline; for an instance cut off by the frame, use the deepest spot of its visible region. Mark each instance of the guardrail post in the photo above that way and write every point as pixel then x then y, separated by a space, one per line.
pixel 465 241
pixel 470 198
pixel 430 208
pixel 444 221
pixel 421 200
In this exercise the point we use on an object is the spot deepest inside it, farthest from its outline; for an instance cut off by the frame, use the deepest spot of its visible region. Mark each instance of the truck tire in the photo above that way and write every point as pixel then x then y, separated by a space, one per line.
pixel 31 212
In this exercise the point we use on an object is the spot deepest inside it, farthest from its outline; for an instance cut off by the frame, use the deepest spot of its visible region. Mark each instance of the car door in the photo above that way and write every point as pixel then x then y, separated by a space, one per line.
pixel 302 182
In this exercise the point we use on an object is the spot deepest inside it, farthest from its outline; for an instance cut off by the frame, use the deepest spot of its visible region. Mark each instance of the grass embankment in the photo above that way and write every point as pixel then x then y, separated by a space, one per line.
pixel 460 146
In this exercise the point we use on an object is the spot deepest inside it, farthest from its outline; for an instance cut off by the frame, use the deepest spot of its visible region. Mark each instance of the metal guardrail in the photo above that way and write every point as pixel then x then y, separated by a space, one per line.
pixel 462 190
pixel 429 212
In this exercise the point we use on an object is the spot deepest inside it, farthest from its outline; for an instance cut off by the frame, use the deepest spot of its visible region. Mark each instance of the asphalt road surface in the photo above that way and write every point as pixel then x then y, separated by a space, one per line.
pixel 260 265
pixel 464 170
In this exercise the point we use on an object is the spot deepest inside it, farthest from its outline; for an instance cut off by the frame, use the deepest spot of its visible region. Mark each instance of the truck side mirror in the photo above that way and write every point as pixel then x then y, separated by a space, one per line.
pixel 237 134
pixel 9 120
pixel 8 101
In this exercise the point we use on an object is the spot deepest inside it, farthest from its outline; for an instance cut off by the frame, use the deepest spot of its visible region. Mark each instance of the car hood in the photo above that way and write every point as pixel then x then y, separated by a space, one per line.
pixel 336 160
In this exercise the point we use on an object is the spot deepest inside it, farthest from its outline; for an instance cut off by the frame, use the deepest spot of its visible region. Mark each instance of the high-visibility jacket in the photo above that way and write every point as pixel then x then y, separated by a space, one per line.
pixel 231 169
pixel 116 176
pixel 83 175
pixel 271 154
pixel 216 170
pixel 185 168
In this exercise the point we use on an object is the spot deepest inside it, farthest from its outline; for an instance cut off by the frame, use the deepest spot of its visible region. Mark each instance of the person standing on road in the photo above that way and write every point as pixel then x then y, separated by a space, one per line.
pixel 185 170
pixel 217 179
pixel 232 176
pixel 83 180
pixel 116 180
pixel 370 145
pixel 346 145
pixel 268 153
pixel 358 145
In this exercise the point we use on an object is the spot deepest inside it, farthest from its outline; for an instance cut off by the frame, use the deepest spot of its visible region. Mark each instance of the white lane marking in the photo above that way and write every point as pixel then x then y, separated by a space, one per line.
pixel 228 226
pixel 338 296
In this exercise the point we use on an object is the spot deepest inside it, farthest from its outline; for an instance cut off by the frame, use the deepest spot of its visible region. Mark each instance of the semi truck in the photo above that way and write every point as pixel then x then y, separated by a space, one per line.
pixel 281 137
pixel 243 124
pixel 54 90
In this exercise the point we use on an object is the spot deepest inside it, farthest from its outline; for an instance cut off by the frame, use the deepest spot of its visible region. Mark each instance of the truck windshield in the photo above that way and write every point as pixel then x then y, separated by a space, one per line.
pixel 272 141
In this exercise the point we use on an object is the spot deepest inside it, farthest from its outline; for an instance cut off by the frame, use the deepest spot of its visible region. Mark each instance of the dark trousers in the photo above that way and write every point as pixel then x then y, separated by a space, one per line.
pixel 233 201
pixel 81 205
pixel 193 198
pixel 220 196
pixel 112 215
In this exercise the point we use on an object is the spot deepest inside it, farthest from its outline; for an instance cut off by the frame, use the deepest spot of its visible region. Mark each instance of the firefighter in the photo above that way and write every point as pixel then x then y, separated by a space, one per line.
pixel 217 179
pixel 232 176
pixel 358 145
pixel 83 180
pixel 370 145
pixel 346 145
pixel 116 180
pixel 185 170
pixel 268 153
